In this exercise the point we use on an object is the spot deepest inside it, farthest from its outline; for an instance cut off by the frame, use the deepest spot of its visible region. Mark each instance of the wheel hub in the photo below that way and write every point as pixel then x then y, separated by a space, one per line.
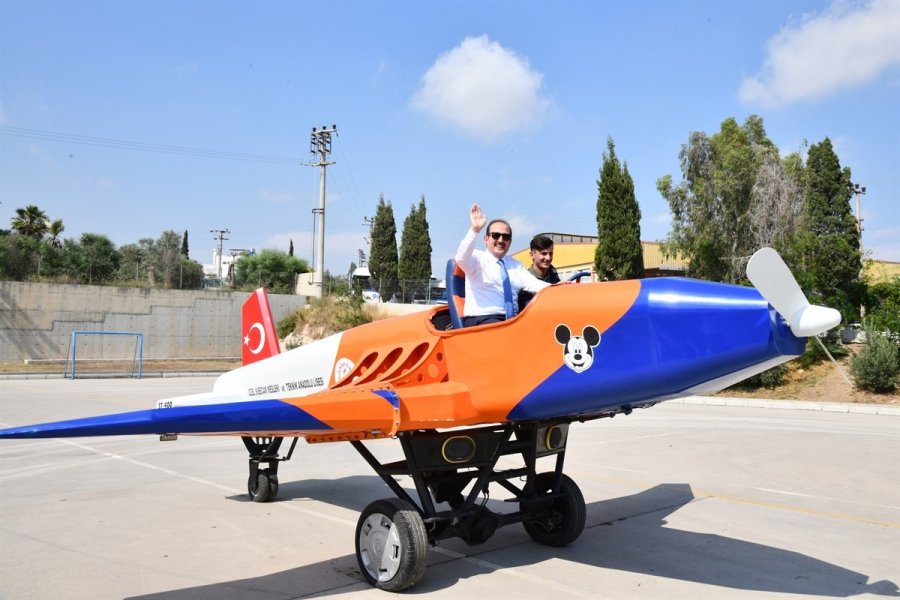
pixel 379 547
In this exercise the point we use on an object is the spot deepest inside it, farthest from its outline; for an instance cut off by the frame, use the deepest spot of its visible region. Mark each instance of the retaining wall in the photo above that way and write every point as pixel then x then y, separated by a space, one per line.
pixel 37 319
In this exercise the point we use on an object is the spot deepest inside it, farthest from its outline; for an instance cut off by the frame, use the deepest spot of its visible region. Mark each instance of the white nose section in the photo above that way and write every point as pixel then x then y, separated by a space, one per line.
pixel 768 273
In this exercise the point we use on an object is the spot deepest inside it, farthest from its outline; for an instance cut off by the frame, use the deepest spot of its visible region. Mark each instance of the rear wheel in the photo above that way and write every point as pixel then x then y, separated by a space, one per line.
pixel 563 521
pixel 391 544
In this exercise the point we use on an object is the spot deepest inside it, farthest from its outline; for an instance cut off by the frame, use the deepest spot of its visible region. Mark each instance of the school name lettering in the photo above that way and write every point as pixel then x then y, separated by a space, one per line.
pixel 288 386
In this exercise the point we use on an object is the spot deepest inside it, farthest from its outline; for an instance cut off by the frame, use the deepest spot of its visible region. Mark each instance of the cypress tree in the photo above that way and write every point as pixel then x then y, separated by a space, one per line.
pixel 383 256
pixel 291 248
pixel 414 267
pixel 619 254
pixel 828 247
pixel 184 244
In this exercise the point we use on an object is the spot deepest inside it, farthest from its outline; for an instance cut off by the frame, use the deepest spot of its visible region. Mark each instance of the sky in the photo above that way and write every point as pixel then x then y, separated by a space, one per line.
pixel 132 117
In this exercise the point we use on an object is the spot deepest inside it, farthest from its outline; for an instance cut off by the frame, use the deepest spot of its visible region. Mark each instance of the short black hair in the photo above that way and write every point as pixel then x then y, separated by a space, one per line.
pixel 541 242
pixel 504 221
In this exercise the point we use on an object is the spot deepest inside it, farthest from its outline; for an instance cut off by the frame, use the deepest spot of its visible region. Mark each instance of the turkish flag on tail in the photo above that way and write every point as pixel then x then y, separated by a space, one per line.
pixel 258 337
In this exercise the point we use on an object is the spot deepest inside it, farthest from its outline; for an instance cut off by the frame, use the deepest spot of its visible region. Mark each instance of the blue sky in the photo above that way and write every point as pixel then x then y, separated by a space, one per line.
pixel 505 103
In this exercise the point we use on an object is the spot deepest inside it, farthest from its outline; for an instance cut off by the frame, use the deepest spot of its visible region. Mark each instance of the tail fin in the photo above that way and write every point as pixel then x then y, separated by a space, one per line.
pixel 259 339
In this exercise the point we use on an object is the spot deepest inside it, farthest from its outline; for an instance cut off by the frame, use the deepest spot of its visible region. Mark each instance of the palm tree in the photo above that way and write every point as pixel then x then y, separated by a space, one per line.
pixel 55 229
pixel 30 221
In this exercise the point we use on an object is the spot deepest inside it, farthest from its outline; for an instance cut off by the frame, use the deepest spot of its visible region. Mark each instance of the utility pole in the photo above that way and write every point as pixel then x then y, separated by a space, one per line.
pixel 221 237
pixel 320 148
pixel 860 190
pixel 370 221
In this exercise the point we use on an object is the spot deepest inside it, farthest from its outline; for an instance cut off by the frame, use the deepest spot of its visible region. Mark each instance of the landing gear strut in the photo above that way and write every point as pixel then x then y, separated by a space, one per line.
pixel 457 468
pixel 262 484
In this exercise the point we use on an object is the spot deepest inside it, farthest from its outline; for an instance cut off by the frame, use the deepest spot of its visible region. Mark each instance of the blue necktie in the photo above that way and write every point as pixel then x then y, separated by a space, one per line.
pixel 507 290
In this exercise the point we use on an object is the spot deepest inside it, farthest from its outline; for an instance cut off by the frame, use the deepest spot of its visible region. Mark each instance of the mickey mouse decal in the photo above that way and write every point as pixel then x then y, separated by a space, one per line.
pixel 578 352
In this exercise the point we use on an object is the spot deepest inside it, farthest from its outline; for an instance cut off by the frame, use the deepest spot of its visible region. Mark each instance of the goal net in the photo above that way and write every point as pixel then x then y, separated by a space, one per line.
pixel 105 353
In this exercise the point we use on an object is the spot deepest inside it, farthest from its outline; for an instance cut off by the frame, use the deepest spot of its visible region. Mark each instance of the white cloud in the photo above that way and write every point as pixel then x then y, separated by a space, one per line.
pixel 523 229
pixel 483 89
pixel 848 45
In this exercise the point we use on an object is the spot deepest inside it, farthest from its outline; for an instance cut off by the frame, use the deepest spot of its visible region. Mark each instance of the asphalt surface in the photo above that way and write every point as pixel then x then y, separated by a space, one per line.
pixel 684 501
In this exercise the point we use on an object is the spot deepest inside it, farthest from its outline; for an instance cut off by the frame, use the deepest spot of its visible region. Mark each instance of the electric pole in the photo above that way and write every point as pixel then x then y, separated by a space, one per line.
pixel 221 237
pixel 859 190
pixel 320 148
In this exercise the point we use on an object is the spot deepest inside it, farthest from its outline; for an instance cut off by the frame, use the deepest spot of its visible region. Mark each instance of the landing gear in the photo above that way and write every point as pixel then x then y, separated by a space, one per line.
pixel 391 544
pixel 456 469
pixel 262 484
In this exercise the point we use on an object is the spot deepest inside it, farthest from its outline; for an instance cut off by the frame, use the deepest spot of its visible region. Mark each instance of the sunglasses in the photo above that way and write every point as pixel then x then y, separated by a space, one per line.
pixel 496 235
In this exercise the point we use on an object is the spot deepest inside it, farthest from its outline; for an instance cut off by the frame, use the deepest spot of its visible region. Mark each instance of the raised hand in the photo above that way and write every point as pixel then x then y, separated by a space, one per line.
pixel 477 218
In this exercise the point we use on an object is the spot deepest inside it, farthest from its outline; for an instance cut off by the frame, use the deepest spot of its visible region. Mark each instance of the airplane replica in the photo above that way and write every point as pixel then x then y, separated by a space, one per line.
pixel 460 399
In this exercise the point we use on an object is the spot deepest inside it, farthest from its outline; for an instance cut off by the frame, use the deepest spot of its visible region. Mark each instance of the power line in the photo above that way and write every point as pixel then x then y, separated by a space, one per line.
pixel 58 136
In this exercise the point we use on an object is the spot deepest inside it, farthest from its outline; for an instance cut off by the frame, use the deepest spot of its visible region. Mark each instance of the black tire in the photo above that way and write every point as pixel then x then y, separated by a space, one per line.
pixel 261 489
pixel 391 544
pixel 273 487
pixel 563 521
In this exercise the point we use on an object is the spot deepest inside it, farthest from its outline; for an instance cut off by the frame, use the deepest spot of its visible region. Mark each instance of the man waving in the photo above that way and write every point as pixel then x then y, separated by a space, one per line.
pixel 493 279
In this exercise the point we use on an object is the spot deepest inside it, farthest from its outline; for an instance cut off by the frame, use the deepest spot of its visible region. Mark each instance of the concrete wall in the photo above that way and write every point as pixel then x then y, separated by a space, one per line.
pixel 37 319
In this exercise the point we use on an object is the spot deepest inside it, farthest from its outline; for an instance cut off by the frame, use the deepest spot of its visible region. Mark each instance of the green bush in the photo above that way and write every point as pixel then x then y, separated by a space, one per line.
pixel 883 306
pixel 286 326
pixel 331 314
pixel 877 365
pixel 814 353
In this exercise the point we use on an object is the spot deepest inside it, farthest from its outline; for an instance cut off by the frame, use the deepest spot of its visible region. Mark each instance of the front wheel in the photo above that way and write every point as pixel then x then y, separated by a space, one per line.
pixel 563 521
pixel 264 488
pixel 391 544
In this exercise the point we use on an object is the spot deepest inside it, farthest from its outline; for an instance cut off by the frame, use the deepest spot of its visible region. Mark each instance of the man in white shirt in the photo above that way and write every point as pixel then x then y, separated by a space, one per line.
pixel 490 299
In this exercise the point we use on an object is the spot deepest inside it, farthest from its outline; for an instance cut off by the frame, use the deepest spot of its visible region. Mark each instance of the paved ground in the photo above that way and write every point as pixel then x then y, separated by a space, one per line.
pixel 684 501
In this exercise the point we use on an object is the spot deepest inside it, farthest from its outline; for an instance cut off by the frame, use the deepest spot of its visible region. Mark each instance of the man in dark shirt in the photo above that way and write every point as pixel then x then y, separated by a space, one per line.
pixel 541 266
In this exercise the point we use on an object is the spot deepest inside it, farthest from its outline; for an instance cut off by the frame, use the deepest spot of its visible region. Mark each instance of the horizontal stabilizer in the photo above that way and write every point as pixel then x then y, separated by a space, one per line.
pixel 771 276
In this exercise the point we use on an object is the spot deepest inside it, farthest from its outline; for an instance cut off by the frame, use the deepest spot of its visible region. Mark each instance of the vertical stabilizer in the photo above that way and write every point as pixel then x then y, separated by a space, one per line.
pixel 258 337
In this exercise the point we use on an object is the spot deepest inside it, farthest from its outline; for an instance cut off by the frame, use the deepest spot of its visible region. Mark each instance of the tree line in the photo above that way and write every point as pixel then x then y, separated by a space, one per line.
pixel 735 195
pixel 32 249
pixel 404 274
pixel 738 194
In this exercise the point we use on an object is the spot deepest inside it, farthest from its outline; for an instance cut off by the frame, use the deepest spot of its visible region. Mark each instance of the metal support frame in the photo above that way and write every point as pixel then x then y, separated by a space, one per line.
pixel 267 452
pixel 437 481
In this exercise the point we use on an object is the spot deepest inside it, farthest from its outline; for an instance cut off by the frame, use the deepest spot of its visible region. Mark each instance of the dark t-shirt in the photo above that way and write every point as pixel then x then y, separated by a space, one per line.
pixel 551 277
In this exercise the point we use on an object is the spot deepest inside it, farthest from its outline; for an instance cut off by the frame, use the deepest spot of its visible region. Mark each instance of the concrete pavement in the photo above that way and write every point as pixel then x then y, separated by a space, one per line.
pixel 684 500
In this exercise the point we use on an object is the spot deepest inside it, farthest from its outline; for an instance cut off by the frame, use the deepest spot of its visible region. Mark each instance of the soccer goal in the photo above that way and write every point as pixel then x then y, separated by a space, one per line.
pixel 116 353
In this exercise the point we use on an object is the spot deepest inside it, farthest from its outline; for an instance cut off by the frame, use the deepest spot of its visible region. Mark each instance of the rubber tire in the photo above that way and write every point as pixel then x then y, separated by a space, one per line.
pixel 565 519
pixel 273 487
pixel 399 525
pixel 263 491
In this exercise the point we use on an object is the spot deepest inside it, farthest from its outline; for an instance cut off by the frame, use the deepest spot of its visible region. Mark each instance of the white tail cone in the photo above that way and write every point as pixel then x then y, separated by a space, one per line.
pixel 814 320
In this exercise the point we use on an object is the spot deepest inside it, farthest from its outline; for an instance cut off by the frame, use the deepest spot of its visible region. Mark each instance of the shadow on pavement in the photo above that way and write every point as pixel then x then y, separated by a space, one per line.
pixel 625 534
